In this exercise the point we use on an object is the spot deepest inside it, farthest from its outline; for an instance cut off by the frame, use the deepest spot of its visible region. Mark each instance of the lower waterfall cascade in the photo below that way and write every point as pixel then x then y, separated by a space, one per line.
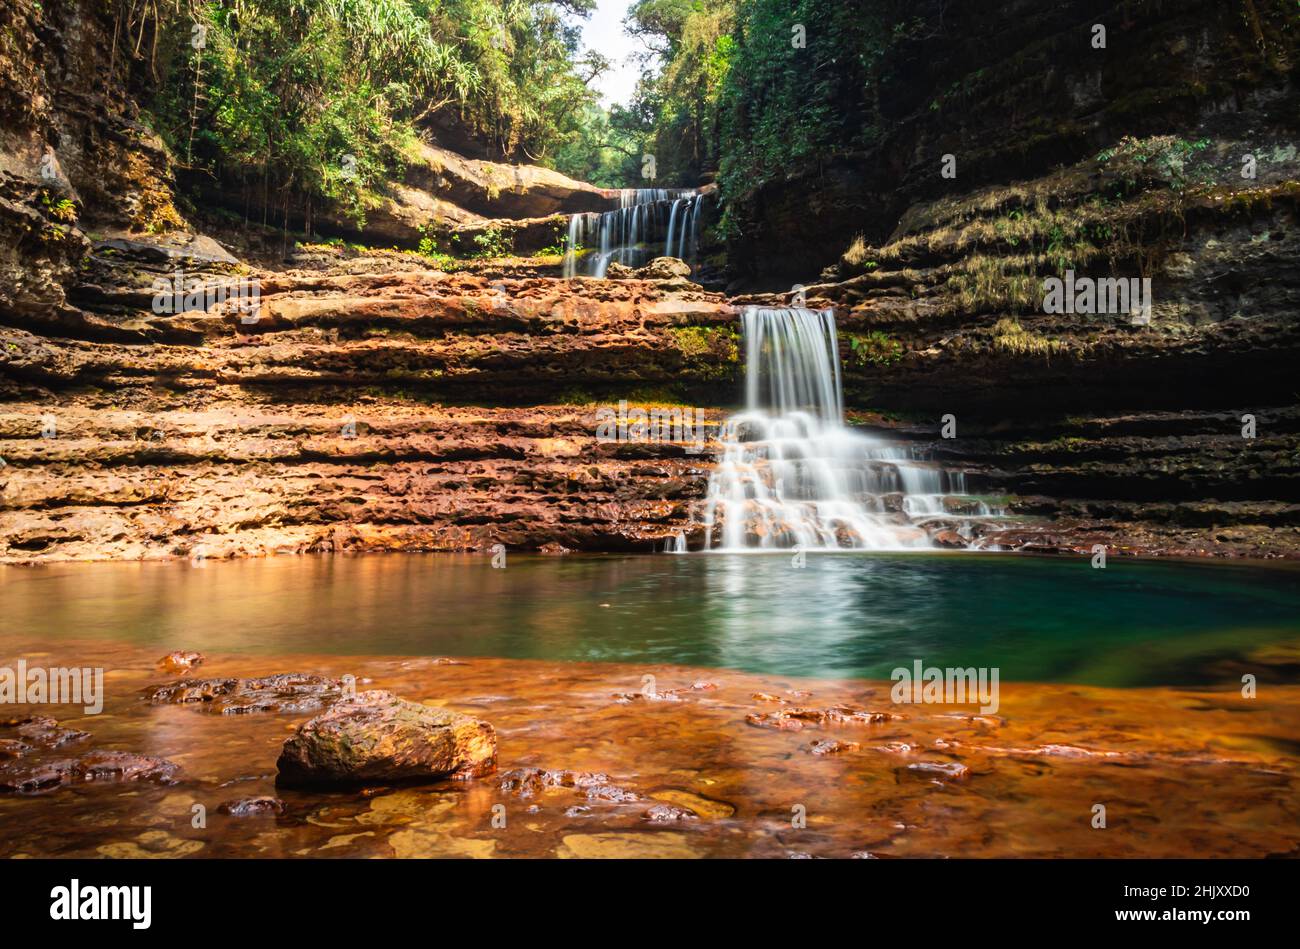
pixel 792 475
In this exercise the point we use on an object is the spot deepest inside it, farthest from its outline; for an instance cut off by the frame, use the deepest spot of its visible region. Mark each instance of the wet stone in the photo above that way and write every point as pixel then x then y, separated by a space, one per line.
pixel 93 766
pixel 45 732
pixel 377 736
pixel 665 695
pixel 950 770
pixel 796 717
pixel 123 766
pixel 250 806
pixel 668 813
pixel 180 661
pixel 832 746
pixel 283 692
pixel 529 781
pixel 612 793
pixel 12 748
pixel 32 778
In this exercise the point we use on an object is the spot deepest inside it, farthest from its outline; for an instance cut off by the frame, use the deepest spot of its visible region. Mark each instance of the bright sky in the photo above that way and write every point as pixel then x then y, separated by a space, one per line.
pixel 603 32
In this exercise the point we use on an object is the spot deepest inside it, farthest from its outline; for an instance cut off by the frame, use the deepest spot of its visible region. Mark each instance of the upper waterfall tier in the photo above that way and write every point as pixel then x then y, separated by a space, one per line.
pixel 648 223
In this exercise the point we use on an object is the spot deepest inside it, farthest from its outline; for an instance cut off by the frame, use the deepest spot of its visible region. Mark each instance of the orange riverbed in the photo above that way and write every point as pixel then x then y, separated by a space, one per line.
pixel 1190 773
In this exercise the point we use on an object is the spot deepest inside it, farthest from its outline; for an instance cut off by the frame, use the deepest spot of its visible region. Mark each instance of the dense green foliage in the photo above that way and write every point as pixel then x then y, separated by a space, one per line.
pixel 801 83
pixel 678 95
pixel 755 88
pixel 322 98
pixel 604 147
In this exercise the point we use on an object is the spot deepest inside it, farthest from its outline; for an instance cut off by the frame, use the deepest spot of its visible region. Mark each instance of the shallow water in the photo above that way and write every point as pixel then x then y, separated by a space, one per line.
pixel 1190 767
pixel 840 616
pixel 1180 772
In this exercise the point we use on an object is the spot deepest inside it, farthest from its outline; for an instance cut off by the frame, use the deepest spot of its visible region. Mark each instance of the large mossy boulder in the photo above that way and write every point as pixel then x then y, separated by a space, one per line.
pixel 377 737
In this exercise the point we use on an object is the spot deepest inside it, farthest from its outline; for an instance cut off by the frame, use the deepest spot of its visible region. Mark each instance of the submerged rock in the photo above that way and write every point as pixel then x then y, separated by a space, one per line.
pixel 248 806
pixel 30 778
pixel 44 732
pixel 697 804
pixel 666 813
pixel 180 661
pixel 795 718
pixel 832 746
pixel 529 781
pixel 940 770
pixel 283 692
pixel 377 736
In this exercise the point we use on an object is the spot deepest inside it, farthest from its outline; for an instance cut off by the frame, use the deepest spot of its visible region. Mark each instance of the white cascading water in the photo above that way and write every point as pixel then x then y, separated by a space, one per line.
pixel 630 234
pixel 792 475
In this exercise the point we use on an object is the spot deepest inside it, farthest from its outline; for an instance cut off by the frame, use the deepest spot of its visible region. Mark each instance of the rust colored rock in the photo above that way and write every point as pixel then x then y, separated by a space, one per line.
pixel 847 715
pixel 529 781
pixel 12 748
pixel 668 813
pixel 377 736
pixel 249 806
pixel 35 777
pixel 794 718
pixel 950 770
pixel 832 746
pixel 283 692
pixel 45 732
pixel 179 661
pixel 123 766
pixel 771 720
pixel 949 539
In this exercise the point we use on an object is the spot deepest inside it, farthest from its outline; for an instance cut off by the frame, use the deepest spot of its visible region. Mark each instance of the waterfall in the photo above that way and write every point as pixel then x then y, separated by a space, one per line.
pixel 631 233
pixel 791 474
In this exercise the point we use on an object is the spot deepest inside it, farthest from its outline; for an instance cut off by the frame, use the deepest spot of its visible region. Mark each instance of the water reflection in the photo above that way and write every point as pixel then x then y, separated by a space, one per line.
pixel 841 615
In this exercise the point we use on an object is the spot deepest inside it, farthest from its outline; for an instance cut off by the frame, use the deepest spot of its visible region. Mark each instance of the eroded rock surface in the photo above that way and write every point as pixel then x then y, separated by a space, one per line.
pixel 377 737
pixel 282 692
pixel 35 776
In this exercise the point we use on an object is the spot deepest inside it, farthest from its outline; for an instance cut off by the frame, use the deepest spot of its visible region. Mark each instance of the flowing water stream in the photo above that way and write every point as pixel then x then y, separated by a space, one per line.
pixel 793 476
pixel 648 223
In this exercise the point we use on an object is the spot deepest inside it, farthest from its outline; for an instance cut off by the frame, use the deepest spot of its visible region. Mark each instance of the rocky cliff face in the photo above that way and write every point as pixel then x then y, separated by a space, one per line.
pixel 1012 89
pixel 1170 155
pixel 398 409
pixel 73 153
pixel 450 200
pixel 1175 429
pixel 377 403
